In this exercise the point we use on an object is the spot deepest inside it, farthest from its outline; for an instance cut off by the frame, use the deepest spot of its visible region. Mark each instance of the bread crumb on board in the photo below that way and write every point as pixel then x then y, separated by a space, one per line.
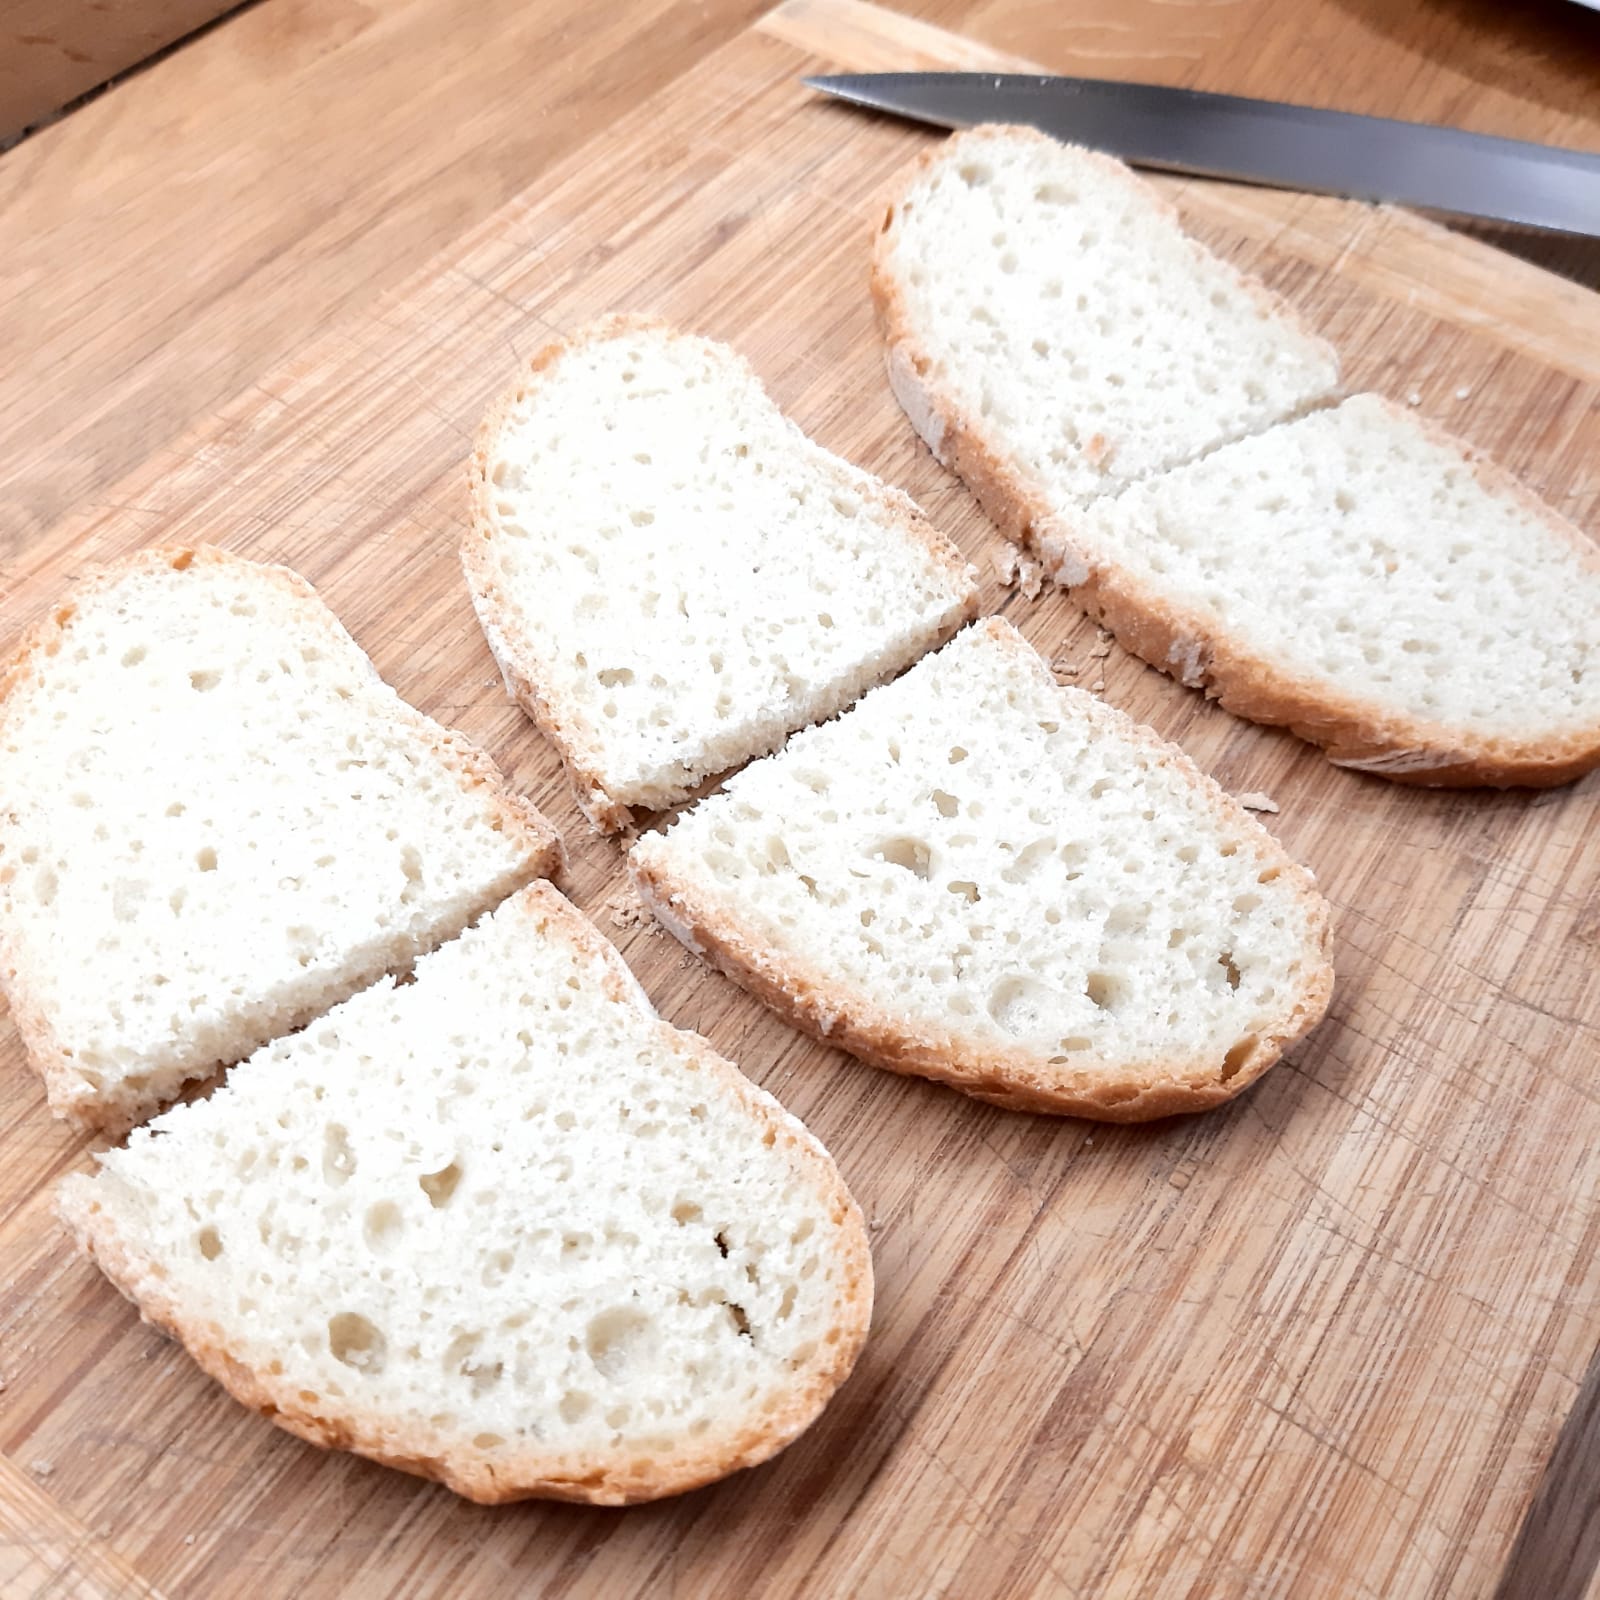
pixel 1013 567
pixel 1255 800
pixel 1064 667
pixel 625 909
pixel 40 1467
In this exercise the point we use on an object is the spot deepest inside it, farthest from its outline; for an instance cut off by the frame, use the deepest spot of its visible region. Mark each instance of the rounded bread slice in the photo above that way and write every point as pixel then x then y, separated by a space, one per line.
pixel 501 1227
pixel 978 876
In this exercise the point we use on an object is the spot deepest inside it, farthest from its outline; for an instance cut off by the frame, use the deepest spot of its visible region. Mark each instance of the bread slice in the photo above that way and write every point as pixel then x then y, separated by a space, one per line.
pixel 1358 576
pixel 978 876
pixel 1053 334
pixel 673 577
pixel 216 820
pixel 501 1227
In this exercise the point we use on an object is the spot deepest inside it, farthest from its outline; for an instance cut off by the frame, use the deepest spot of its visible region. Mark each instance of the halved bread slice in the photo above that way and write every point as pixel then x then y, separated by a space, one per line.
pixel 501 1227
pixel 672 577
pixel 216 820
pixel 978 876
pixel 1053 334
pixel 1361 577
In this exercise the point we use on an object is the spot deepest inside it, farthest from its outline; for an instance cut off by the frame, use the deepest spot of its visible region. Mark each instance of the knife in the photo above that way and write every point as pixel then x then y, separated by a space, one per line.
pixel 1260 141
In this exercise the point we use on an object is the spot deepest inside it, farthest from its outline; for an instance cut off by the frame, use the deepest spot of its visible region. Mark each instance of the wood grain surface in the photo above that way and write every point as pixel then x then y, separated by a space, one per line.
pixel 52 51
pixel 1320 1343
pixel 177 238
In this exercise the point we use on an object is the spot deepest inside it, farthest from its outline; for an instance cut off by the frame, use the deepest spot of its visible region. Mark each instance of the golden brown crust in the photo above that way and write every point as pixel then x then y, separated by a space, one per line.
pixel 69 1094
pixel 858 1021
pixel 1357 733
pixel 518 656
pixel 617 1477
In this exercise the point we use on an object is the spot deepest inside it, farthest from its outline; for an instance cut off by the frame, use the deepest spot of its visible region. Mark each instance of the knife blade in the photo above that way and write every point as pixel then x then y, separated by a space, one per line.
pixel 1260 141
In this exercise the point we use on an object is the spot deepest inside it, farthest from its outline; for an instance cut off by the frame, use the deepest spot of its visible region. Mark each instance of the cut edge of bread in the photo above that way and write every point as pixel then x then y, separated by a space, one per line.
pixel 518 659
pixel 857 1021
pixel 69 1096
pixel 573 1476
pixel 1354 731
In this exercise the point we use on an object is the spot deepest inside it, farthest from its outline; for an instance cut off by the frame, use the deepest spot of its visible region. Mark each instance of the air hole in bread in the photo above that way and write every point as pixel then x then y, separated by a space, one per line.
pixel 338 1159
pixel 440 1186
pixel 209 1242
pixel 1104 990
pixel 382 1226
pixel 617 1339
pixel 912 855
pixel 1237 1056
pixel 1028 861
pixel 1023 1006
pixel 356 1342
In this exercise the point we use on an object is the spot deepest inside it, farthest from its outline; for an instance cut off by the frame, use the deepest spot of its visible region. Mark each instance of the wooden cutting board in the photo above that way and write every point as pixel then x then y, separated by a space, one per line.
pixel 1319 1343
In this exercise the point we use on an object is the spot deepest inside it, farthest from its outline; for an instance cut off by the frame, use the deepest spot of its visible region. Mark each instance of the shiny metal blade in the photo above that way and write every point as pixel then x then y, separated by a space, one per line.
pixel 1261 141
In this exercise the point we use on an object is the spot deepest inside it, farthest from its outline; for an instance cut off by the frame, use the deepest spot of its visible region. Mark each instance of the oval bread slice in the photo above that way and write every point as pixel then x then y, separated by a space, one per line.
pixel 978 876
pixel 1053 334
pixel 672 576
pixel 501 1227
pixel 217 820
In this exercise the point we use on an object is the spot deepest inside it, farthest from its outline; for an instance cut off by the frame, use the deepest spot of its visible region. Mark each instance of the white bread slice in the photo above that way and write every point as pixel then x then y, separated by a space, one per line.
pixel 500 1227
pixel 1360 577
pixel 672 576
pixel 216 820
pixel 1053 334
pixel 978 876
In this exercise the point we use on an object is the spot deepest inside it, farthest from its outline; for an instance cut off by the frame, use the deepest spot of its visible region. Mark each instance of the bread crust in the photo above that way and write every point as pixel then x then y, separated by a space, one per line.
pixel 858 1021
pixel 526 671
pixel 69 1094
pixel 613 1477
pixel 1354 732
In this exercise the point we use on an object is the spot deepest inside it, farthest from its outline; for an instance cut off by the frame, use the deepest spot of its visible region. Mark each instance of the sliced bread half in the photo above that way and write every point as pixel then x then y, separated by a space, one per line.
pixel 216 820
pixel 1360 577
pixel 672 577
pixel 984 878
pixel 500 1227
pixel 1053 334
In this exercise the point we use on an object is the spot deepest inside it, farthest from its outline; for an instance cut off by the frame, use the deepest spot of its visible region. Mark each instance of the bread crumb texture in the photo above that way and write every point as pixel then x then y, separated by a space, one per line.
pixel 673 576
pixel 983 876
pixel 499 1226
pixel 218 821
